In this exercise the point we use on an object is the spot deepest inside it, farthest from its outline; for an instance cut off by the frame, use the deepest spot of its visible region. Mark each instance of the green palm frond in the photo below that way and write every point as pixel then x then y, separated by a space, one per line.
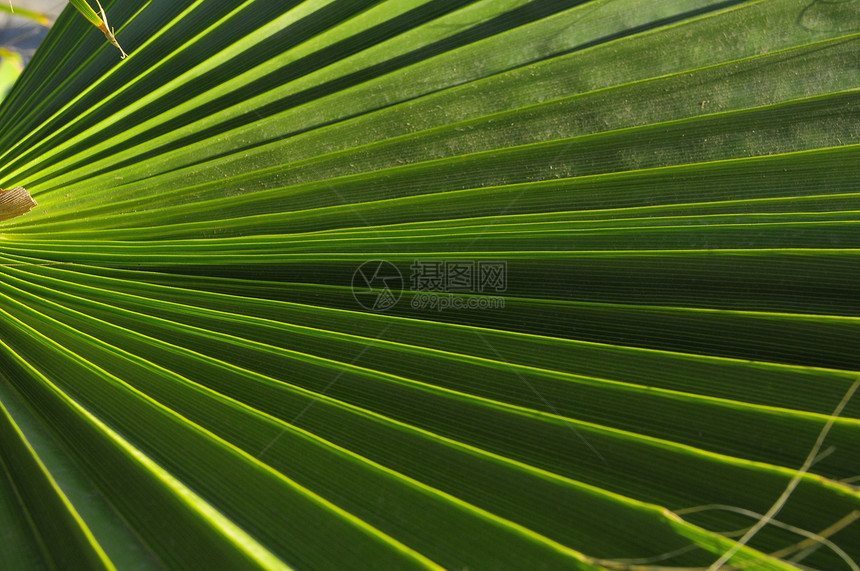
pixel 33 15
pixel 509 284
pixel 98 19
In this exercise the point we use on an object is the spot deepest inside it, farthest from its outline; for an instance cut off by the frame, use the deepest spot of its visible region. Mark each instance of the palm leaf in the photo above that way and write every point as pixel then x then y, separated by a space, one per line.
pixel 34 15
pixel 191 375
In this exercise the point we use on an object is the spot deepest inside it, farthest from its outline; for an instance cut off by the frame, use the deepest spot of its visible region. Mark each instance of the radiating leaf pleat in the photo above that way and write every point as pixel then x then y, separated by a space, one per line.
pixel 188 377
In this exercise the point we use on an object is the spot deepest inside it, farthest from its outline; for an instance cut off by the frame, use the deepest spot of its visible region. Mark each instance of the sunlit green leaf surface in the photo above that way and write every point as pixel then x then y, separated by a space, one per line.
pixel 221 345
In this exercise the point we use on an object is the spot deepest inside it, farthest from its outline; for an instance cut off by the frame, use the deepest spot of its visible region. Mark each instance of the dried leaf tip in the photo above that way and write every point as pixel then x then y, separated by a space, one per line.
pixel 15 202
pixel 108 32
